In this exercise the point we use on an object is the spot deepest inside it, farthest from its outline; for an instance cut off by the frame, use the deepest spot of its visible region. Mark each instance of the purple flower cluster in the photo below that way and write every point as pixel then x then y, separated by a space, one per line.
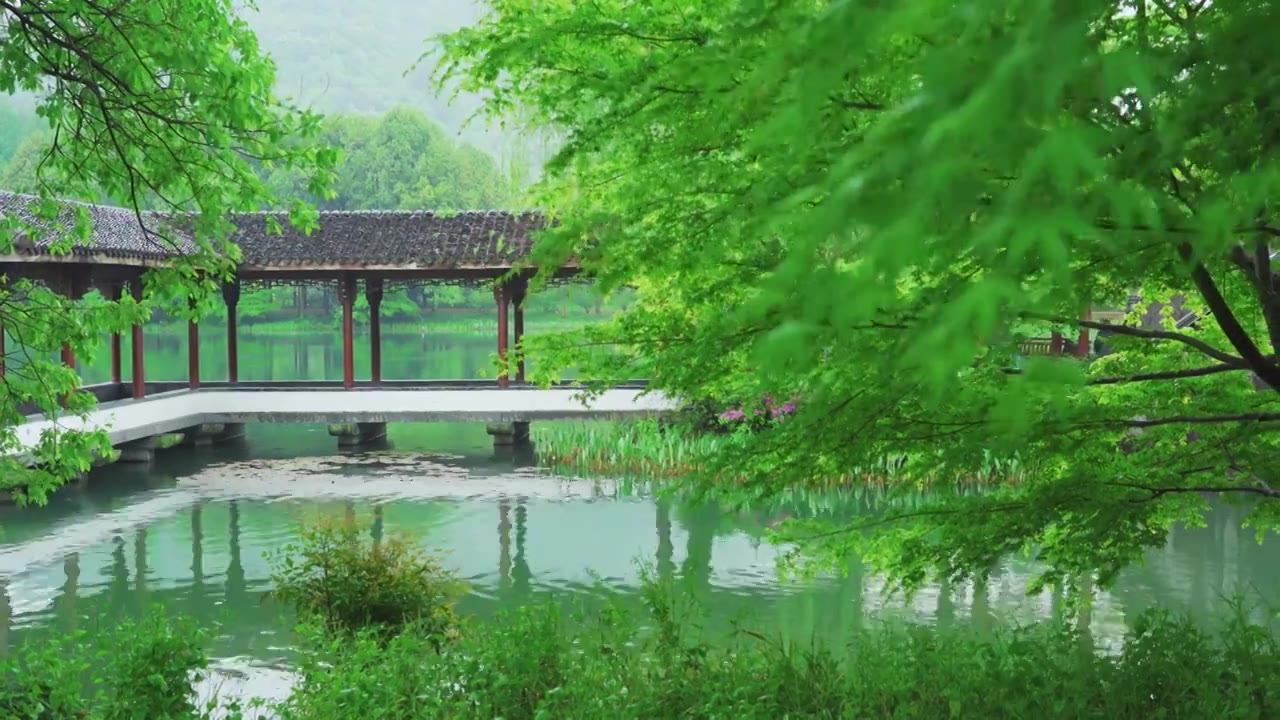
pixel 774 411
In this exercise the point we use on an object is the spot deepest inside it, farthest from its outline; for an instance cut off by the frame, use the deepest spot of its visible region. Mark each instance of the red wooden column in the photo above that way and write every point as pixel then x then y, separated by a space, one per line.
pixel 115 293
pixel 193 351
pixel 519 292
pixel 500 294
pixel 373 292
pixel 74 286
pixel 231 296
pixel 1055 343
pixel 139 375
pixel 347 296
pixel 1082 342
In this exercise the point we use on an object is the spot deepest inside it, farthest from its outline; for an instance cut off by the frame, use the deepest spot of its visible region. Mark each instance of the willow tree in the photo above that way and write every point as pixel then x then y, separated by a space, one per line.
pixel 863 206
pixel 156 103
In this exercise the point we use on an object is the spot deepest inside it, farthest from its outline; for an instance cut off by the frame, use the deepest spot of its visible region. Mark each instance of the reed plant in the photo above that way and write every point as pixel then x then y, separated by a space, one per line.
pixel 642 448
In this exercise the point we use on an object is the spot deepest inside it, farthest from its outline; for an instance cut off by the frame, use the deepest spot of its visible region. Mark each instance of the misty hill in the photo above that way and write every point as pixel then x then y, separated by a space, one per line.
pixel 339 56
pixel 351 57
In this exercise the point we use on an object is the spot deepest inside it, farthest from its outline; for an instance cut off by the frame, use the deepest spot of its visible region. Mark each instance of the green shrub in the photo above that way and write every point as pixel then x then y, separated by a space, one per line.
pixel 141 669
pixel 535 662
pixel 342 578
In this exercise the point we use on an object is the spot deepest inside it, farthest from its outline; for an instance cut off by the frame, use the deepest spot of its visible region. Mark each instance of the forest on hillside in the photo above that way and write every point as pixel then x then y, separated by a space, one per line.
pixel 350 58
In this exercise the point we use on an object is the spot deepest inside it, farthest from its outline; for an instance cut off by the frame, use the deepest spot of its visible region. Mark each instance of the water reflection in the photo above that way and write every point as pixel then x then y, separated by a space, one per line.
pixel 193 536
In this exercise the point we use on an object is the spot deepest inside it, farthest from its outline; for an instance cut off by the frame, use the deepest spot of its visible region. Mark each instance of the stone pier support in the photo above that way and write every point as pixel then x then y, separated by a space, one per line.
pixel 509 434
pixel 354 435
pixel 139 451
pixel 211 434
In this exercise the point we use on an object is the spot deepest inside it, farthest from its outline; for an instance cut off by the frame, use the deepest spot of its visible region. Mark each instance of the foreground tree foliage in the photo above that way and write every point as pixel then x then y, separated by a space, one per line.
pixel 154 103
pixel 863 207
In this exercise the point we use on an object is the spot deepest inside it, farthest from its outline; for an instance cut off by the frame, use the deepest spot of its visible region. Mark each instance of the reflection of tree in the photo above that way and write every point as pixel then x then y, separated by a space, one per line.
pixel 376 530
pixel 504 544
pixel 520 573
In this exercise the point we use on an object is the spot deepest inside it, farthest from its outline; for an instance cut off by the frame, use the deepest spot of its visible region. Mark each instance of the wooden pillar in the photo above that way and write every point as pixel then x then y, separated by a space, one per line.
pixel 115 293
pixel 347 296
pixel 231 296
pixel 75 286
pixel 139 375
pixel 373 292
pixel 503 299
pixel 1055 343
pixel 193 354
pixel 519 292
pixel 1082 342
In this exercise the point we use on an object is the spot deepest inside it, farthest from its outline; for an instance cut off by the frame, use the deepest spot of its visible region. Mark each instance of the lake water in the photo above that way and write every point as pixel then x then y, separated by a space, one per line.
pixel 191 533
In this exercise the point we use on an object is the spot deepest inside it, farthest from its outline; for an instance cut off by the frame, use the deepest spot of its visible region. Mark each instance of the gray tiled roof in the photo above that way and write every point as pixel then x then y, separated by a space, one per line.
pixel 351 239
pixel 117 232
pixel 392 237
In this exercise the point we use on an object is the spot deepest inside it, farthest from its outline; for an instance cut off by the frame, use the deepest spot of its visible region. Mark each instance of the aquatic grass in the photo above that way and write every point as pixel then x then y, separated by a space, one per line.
pixel 654 449
pixel 642 448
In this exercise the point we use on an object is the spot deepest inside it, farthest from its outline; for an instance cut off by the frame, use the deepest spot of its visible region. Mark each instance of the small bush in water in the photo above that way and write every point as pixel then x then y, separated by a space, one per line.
pixel 349 582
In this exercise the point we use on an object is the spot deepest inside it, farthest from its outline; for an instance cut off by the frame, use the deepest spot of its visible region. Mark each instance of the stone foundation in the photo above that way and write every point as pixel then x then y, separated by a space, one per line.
pixel 359 435
pixel 213 434
pixel 509 434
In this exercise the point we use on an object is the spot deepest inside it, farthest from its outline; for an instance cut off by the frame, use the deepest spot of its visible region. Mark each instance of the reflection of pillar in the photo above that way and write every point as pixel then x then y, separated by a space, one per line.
pixel 1084 618
pixel 376 531
pixel 140 561
pixel 980 612
pixel 119 575
pixel 70 590
pixel 349 513
pixel 197 554
pixel 1230 554
pixel 946 611
pixel 6 618
pixel 665 550
pixel 373 292
pixel 520 573
pixel 701 524
pixel 235 571
pixel 504 543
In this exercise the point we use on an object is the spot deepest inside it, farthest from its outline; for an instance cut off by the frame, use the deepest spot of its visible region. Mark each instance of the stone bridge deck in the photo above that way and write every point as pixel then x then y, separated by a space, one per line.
pixel 127 421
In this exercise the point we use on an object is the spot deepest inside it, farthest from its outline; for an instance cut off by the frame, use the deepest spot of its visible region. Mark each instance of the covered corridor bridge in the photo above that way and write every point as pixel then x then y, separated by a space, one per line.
pixel 353 252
